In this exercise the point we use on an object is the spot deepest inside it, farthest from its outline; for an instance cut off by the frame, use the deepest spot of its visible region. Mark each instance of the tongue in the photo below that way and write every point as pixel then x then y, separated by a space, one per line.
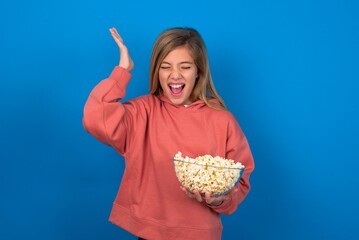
pixel 176 90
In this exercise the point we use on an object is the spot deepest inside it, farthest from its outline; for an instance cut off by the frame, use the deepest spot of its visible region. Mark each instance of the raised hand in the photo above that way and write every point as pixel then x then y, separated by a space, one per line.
pixel 125 58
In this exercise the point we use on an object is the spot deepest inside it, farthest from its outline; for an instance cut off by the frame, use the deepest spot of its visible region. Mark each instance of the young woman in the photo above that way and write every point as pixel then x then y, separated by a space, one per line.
pixel 183 112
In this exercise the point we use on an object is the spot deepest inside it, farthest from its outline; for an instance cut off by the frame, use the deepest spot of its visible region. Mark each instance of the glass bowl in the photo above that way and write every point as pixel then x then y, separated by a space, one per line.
pixel 207 178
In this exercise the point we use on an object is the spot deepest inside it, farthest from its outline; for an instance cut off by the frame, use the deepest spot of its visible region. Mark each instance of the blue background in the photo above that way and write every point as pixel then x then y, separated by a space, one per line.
pixel 288 70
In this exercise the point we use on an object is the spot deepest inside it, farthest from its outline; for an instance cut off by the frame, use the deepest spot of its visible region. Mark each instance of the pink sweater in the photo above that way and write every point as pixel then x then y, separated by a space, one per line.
pixel 148 131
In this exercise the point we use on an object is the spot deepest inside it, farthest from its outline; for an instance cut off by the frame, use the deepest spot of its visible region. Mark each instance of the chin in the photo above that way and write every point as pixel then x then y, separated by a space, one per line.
pixel 177 101
pixel 182 100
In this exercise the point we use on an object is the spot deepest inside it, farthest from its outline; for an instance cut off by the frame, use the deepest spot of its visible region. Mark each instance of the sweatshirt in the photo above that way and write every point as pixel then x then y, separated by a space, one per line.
pixel 148 131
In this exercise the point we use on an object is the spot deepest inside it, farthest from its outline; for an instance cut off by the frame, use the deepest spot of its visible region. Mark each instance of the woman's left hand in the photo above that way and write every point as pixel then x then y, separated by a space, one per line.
pixel 208 198
pixel 125 58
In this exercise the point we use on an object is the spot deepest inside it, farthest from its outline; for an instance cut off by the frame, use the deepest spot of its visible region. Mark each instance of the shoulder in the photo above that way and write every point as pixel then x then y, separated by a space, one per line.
pixel 146 101
pixel 221 115
pixel 225 119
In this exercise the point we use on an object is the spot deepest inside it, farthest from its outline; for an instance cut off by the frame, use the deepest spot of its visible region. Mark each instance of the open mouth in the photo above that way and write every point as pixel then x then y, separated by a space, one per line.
pixel 176 89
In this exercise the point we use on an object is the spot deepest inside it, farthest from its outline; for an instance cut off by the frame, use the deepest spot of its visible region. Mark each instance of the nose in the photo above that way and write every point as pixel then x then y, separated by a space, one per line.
pixel 176 74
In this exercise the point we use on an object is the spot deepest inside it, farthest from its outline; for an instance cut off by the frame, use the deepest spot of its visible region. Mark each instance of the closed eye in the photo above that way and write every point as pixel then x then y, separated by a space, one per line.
pixel 165 67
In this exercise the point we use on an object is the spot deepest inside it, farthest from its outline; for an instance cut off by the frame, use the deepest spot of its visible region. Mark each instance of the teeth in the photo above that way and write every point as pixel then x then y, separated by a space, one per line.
pixel 176 85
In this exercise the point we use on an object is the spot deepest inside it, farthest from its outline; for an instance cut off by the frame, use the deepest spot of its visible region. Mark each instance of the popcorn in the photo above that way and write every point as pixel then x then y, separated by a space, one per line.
pixel 207 174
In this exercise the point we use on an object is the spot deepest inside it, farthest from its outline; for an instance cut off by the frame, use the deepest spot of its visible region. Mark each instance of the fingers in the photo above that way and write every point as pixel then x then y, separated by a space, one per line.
pixel 216 200
pixel 188 193
pixel 195 194
pixel 125 58
pixel 185 191
pixel 115 34
pixel 118 39
pixel 208 198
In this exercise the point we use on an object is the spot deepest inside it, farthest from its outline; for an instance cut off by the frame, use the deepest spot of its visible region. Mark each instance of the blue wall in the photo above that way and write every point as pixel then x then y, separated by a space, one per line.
pixel 288 70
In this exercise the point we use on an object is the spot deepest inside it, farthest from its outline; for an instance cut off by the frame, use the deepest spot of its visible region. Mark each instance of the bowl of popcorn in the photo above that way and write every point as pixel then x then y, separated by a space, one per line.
pixel 206 173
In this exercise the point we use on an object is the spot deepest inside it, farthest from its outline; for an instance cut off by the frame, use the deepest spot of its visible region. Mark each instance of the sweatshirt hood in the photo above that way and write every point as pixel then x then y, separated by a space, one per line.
pixel 195 106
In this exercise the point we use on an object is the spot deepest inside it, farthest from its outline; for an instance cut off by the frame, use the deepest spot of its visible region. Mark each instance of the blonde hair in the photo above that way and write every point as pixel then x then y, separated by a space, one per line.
pixel 175 37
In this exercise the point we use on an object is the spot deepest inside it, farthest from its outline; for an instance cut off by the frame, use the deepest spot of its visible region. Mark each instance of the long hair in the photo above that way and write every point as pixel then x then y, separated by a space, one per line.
pixel 175 37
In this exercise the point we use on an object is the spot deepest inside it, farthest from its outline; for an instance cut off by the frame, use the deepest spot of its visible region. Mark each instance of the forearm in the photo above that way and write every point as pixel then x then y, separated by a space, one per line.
pixel 102 111
pixel 237 149
pixel 230 205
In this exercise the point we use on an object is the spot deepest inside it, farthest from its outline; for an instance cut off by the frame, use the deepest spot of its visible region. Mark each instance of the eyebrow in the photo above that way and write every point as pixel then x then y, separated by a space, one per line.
pixel 188 62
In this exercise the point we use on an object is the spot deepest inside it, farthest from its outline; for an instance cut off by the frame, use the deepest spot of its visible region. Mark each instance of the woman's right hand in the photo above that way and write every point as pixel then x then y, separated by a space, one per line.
pixel 125 58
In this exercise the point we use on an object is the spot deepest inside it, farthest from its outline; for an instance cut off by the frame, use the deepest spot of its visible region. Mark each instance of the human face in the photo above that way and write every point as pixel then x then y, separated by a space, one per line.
pixel 177 75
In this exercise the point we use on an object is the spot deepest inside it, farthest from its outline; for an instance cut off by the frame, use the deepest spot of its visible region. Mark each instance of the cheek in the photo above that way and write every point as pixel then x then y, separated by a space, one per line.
pixel 192 79
pixel 162 80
